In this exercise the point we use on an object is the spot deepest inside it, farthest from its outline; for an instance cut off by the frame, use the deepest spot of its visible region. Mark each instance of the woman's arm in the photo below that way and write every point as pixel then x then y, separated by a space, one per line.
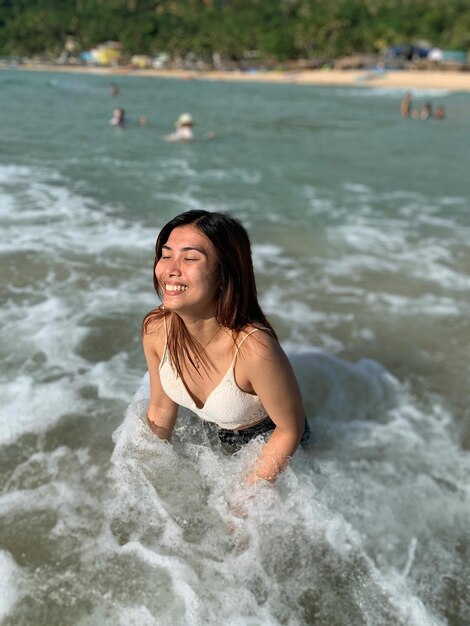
pixel 162 411
pixel 273 380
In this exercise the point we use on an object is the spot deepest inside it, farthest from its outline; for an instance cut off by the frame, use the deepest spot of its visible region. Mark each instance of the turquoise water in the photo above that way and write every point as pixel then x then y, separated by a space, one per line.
pixel 360 228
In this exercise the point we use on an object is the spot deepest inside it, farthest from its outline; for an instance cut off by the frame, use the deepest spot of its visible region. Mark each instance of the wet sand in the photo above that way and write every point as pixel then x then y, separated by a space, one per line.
pixel 404 79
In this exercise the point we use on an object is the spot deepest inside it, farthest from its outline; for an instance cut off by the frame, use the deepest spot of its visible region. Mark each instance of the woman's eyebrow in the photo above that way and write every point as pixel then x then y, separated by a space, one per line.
pixel 187 248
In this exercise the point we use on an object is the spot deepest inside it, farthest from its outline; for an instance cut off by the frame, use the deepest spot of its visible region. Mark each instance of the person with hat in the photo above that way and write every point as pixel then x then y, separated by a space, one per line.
pixel 184 129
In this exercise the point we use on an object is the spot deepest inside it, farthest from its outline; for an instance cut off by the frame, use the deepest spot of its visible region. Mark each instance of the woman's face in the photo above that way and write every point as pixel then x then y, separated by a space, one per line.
pixel 188 272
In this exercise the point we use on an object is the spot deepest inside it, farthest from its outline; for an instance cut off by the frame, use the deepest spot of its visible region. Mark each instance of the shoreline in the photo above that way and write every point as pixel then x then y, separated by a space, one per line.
pixel 395 79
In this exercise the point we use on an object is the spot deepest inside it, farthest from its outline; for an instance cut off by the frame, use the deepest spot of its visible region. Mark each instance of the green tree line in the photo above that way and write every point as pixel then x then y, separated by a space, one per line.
pixel 277 29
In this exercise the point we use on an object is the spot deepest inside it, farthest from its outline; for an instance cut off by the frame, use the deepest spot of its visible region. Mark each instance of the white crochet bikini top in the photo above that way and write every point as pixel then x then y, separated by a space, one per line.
pixel 227 405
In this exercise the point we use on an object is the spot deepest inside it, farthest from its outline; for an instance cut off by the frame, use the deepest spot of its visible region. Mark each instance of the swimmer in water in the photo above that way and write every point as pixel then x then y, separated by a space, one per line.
pixel 184 129
pixel 405 105
pixel 119 117
pixel 426 111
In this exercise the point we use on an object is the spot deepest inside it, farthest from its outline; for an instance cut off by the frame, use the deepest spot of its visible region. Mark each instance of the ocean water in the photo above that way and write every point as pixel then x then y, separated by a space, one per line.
pixel 360 224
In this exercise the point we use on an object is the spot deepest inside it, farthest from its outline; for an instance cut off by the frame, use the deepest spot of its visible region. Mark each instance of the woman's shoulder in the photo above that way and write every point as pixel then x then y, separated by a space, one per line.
pixel 257 343
pixel 262 357
pixel 154 331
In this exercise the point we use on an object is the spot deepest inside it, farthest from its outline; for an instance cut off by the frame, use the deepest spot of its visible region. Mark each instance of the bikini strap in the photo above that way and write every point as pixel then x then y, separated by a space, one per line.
pixel 166 343
pixel 241 343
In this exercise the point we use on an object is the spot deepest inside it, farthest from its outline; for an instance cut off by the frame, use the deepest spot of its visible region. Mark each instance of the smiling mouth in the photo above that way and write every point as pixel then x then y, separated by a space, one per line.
pixel 175 288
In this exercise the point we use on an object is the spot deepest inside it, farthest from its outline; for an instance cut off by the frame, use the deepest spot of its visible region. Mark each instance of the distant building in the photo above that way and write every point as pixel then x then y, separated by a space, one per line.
pixel 436 55
pixel 455 56
pixel 141 61
pixel 108 53
pixel 161 60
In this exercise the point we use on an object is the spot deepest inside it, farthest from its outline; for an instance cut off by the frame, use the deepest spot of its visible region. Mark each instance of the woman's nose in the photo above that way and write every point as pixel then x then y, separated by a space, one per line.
pixel 173 268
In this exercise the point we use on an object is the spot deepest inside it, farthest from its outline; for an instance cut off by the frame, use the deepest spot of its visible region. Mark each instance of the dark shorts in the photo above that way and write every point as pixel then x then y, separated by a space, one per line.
pixel 235 439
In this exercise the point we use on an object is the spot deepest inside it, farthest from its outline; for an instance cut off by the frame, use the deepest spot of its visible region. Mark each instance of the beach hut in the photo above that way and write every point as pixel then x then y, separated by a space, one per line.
pixel 141 61
pixel 108 53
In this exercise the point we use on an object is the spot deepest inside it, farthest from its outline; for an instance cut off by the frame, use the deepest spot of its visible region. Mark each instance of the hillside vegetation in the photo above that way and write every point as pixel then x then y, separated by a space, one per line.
pixel 275 29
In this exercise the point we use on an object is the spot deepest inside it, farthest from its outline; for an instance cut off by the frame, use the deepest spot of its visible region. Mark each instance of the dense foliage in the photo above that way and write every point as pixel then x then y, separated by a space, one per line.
pixel 277 29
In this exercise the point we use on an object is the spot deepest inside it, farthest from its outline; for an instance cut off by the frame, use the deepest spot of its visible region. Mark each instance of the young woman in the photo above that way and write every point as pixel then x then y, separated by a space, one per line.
pixel 210 348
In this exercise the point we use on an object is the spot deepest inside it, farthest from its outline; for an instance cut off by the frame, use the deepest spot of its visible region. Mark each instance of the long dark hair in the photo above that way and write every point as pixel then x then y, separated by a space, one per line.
pixel 237 301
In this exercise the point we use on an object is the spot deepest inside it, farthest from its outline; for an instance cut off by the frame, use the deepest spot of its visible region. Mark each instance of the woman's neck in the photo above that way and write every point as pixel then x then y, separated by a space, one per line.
pixel 201 328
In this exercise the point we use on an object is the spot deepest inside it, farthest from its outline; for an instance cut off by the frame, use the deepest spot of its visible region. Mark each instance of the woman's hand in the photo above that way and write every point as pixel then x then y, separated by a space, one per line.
pixel 159 430
pixel 274 457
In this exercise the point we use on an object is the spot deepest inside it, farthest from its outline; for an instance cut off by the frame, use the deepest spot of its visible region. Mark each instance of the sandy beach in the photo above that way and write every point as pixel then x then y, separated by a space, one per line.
pixel 404 79
pixel 454 81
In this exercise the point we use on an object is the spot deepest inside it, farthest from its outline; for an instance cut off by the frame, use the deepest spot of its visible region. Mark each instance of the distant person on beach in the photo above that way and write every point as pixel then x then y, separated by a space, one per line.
pixel 210 348
pixel 119 117
pixel 114 89
pixel 184 129
pixel 440 113
pixel 405 105
pixel 143 120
